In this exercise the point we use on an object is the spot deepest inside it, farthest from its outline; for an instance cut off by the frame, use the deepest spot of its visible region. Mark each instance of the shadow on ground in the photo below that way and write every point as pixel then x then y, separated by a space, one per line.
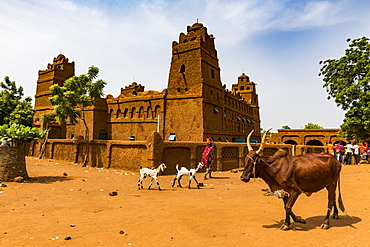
pixel 48 179
pixel 316 221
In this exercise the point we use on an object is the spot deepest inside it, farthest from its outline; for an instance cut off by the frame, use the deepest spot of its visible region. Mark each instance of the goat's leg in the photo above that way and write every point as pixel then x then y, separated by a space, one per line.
pixel 178 181
pixel 174 181
pixel 140 183
pixel 190 177
pixel 151 182
pixel 195 179
pixel 159 187
pixel 331 203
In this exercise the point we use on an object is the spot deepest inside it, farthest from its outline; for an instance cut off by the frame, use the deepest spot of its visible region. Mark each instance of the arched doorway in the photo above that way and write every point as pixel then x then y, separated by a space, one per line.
pixel 314 143
pixel 291 142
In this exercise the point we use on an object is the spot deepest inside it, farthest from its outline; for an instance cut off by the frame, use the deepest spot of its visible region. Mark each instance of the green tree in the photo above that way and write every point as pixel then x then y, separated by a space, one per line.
pixel 347 81
pixel 312 126
pixel 71 100
pixel 285 127
pixel 13 138
pixel 12 108
pixel 20 134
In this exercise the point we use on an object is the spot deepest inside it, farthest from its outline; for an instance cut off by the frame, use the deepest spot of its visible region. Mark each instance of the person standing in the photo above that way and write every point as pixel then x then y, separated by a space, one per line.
pixel 361 147
pixel 341 153
pixel 356 152
pixel 330 148
pixel 337 150
pixel 207 158
pixel 349 149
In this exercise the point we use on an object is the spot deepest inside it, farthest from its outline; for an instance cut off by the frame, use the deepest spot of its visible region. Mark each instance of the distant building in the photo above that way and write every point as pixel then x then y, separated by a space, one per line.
pixel 313 137
pixel 195 105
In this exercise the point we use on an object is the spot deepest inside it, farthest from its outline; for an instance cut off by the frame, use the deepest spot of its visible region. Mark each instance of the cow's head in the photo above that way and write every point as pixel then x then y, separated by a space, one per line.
pixel 253 165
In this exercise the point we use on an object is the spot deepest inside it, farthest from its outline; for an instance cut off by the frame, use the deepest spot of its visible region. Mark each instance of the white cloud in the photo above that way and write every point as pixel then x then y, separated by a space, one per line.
pixel 132 39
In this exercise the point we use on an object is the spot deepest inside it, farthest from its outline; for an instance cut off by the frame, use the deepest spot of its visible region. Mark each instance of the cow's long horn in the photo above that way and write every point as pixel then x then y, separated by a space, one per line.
pixel 249 142
pixel 263 142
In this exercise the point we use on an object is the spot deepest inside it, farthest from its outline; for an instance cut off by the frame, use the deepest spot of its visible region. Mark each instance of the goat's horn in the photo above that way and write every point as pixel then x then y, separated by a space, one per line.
pixel 263 142
pixel 249 142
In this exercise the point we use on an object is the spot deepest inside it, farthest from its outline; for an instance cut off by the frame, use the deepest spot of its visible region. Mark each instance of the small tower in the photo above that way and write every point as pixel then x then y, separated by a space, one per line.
pixel 55 73
pixel 247 90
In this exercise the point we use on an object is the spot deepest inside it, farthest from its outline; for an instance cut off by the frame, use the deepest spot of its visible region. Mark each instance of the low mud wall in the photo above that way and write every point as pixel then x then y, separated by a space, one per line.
pixel 131 155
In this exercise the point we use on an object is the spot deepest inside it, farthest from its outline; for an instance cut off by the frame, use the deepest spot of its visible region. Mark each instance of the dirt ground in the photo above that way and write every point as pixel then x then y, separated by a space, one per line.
pixel 63 200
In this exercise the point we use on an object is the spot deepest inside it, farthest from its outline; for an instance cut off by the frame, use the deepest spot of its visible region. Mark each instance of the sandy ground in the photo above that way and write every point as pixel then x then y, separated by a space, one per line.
pixel 53 206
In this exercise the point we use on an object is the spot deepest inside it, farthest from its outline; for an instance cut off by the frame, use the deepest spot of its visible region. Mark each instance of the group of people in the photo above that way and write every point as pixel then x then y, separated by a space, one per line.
pixel 356 152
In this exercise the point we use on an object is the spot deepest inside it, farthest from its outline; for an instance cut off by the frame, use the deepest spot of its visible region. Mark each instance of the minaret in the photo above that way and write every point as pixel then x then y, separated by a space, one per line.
pixel 194 75
pixel 194 62
pixel 55 73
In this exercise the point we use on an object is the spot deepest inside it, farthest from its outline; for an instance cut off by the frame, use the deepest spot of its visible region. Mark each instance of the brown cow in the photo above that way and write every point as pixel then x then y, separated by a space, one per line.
pixel 289 176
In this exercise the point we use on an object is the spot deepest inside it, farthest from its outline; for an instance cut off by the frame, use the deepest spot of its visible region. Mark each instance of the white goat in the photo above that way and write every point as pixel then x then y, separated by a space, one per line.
pixel 185 171
pixel 153 173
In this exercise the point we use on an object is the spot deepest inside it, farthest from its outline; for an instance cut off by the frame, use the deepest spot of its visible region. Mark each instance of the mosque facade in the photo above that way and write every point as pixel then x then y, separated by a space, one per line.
pixel 195 105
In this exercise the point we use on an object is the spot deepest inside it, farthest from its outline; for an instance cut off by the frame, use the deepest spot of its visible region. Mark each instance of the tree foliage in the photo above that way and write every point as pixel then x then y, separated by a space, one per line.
pixel 347 81
pixel 20 134
pixel 13 109
pixel 285 127
pixel 312 126
pixel 72 98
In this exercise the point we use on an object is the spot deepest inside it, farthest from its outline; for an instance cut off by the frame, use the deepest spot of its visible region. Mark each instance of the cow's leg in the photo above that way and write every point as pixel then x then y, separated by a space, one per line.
pixel 335 213
pixel 286 225
pixel 174 181
pixel 331 203
pixel 288 204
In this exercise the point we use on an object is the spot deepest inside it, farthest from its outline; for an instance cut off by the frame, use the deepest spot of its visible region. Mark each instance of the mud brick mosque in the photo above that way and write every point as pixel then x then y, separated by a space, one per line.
pixel 147 128
pixel 195 105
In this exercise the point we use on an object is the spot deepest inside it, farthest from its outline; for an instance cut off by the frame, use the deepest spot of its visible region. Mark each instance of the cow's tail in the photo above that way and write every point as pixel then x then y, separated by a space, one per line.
pixel 340 201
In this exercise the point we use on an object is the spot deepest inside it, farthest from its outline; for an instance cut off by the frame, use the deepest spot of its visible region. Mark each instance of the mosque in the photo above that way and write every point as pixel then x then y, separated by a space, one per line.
pixel 195 105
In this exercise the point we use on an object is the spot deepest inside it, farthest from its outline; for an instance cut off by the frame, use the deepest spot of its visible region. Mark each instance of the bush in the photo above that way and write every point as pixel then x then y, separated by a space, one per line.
pixel 20 134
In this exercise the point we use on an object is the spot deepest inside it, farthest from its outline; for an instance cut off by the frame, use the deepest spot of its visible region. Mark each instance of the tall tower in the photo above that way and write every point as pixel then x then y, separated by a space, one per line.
pixel 194 76
pixel 55 73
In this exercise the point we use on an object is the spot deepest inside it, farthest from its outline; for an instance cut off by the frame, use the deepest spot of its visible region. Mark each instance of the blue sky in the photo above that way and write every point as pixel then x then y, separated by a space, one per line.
pixel 277 43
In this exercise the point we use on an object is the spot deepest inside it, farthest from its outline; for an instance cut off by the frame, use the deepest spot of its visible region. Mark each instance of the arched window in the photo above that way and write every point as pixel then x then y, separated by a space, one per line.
pixel 149 112
pixel 157 111
pixel 111 113
pixel 141 112
pixel 125 113
pixel 133 112
pixel 118 113
pixel 182 69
